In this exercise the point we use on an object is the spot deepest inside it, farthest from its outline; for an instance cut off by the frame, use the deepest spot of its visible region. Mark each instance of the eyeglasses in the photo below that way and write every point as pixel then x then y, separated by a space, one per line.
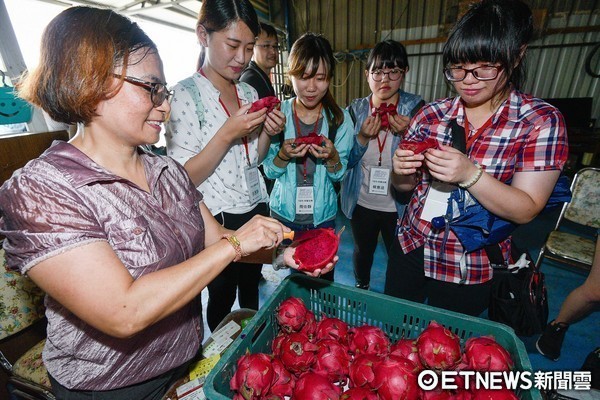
pixel 482 73
pixel 392 75
pixel 275 47
pixel 158 91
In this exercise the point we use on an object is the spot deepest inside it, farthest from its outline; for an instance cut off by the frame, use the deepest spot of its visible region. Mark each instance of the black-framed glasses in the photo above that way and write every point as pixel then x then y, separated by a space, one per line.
pixel 275 47
pixel 158 91
pixel 393 75
pixel 481 73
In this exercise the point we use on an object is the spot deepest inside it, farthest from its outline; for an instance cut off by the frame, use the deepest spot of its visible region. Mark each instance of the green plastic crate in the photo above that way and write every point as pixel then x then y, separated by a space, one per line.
pixel 356 307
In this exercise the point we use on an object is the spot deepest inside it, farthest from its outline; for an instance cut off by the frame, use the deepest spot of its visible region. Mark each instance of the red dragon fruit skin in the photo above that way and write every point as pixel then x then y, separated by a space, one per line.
pixel 407 348
pixel 268 102
pixel 359 393
pixel 312 386
pixel 297 353
pixel 310 326
pixel 283 381
pixel 291 314
pixel 395 379
pixel 253 377
pixel 485 354
pixel 333 361
pixel 332 328
pixel 439 349
pixel 368 339
pixel 361 370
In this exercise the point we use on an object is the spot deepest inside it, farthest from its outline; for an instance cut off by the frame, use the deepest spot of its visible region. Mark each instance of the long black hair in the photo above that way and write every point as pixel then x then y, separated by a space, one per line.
pixel 496 31
pixel 216 15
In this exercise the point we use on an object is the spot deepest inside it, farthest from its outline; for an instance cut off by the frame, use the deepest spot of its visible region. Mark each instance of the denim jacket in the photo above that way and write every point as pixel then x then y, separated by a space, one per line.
pixel 283 196
pixel 360 109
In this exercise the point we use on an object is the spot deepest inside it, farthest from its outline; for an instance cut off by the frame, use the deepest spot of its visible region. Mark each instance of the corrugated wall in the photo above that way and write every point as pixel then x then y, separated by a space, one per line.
pixel 567 32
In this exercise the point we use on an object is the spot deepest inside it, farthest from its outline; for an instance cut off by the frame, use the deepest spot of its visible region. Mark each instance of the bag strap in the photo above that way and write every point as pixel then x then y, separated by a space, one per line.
pixel 192 89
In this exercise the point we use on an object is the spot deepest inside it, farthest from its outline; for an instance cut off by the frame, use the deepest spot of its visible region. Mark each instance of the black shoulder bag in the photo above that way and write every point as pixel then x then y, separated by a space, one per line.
pixel 518 297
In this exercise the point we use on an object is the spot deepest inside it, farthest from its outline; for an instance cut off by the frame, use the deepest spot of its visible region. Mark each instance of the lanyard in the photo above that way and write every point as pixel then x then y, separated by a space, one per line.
pixel 478 132
pixel 379 143
pixel 314 130
pixel 245 138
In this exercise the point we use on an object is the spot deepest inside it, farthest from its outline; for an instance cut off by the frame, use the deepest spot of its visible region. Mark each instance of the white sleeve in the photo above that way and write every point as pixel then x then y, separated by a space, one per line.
pixel 183 129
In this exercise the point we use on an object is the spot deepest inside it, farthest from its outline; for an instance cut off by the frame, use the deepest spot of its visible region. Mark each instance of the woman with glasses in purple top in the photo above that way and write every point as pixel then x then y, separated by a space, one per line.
pixel 119 239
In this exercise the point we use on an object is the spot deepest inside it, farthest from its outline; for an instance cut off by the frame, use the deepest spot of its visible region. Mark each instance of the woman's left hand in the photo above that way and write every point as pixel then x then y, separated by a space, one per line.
pixel 326 151
pixel 449 165
pixel 288 259
pixel 398 123
pixel 274 123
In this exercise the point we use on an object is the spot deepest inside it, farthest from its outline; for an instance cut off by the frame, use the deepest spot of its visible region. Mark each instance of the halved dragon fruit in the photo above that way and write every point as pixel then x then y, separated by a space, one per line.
pixel 311 138
pixel 384 111
pixel 419 147
pixel 316 249
pixel 269 102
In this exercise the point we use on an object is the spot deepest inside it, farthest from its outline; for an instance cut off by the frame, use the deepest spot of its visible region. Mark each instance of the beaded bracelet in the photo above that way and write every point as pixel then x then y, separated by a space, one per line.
pixel 235 243
pixel 474 179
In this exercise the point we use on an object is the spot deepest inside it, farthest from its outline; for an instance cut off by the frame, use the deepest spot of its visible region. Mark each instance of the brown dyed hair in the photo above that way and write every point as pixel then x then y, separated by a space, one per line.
pixel 81 48
pixel 305 55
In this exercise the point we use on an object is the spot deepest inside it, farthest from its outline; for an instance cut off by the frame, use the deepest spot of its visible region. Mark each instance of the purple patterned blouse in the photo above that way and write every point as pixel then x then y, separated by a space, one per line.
pixel 63 200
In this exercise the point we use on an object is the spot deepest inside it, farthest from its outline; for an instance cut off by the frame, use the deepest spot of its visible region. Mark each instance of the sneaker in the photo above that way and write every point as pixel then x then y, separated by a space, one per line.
pixel 551 340
pixel 592 364
pixel 362 286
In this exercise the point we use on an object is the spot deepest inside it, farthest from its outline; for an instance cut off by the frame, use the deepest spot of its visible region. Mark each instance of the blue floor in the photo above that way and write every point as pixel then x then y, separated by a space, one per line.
pixel 581 338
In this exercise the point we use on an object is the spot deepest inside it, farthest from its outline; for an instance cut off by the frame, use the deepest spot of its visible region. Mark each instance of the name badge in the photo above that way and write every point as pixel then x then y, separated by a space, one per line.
pixel 379 181
pixel 253 183
pixel 304 200
pixel 436 203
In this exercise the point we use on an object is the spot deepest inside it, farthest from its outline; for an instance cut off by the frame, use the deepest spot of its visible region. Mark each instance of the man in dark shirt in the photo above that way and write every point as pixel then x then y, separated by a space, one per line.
pixel 266 56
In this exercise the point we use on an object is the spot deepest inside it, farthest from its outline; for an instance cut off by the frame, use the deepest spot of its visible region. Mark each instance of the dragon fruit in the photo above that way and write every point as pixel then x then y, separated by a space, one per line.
pixel 419 147
pixel 359 393
pixel 333 361
pixel 297 353
pixel 361 370
pixel 253 377
pixel 485 354
pixel 316 251
pixel 276 345
pixel 311 138
pixel 439 349
pixel 312 386
pixel 310 326
pixel 269 102
pixel 283 381
pixel 385 110
pixel 368 339
pixel 291 314
pixel 407 348
pixel 332 328
pixel 497 394
pixel 395 379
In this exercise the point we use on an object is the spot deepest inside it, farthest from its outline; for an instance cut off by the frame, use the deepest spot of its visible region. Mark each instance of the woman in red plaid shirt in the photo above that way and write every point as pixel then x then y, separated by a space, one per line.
pixel 513 151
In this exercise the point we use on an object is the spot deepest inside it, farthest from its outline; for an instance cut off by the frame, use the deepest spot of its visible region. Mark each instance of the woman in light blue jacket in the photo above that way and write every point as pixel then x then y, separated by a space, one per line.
pixel 304 196
pixel 368 199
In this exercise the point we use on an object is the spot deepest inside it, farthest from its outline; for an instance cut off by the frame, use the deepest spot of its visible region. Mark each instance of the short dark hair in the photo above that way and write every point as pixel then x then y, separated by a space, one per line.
pixel 268 29
pixel 216 15
pixel 387 54
pixel 80 50
pixel 496 31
